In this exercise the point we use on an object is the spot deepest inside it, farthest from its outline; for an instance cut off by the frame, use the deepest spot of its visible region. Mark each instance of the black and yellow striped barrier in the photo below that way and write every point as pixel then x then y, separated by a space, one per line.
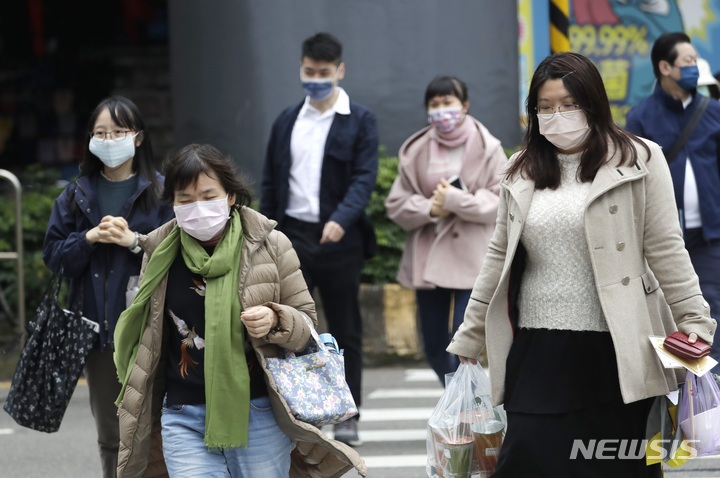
pixel 559 24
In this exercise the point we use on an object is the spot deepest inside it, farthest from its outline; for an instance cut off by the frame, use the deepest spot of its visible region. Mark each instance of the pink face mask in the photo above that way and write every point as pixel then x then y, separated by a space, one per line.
pixel 203 220
pixel 566 131
pixel 447 119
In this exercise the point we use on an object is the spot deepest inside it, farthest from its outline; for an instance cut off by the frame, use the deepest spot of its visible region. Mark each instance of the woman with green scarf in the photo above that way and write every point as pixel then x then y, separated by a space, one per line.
pixel 220 291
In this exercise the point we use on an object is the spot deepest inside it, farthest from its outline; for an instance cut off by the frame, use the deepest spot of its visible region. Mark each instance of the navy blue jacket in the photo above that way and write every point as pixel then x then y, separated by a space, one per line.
pixel 348 174
pixel 661 118
pixel 103 270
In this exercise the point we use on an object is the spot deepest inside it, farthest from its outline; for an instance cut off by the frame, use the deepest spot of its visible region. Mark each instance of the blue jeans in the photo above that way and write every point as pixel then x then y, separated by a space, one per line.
pixel 186 456
pixel 434 307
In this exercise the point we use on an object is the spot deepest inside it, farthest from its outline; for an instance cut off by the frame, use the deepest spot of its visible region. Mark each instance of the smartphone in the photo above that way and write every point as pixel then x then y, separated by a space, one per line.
pixel 455 181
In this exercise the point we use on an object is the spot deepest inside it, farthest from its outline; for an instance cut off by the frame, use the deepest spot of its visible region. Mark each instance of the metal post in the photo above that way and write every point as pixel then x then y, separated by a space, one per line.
pixel 18 254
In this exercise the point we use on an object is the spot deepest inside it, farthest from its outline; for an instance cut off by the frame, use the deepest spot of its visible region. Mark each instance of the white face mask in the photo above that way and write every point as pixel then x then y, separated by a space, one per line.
pixel 203 220
pixel 113 153
pixel 566 131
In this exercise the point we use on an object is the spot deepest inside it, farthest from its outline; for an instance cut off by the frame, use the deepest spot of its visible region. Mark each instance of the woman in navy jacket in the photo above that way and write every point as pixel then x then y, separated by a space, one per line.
pixel 92 239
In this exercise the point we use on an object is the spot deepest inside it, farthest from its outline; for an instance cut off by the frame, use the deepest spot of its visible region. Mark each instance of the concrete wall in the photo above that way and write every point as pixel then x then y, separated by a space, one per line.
pixel 235 64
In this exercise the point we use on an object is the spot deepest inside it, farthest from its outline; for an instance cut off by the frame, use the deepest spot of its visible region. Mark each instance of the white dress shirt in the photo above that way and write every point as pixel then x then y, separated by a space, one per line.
pixel 307 149
pixel 690 193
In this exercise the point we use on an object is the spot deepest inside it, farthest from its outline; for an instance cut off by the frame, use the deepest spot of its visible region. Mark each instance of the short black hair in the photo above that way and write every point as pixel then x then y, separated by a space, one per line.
pixel 446 85
pixel 322 47
pixel 185 166
pixel 664 49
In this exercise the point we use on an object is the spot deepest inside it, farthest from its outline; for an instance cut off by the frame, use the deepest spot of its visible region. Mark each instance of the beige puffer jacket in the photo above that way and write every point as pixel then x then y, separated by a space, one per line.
pixel 269 275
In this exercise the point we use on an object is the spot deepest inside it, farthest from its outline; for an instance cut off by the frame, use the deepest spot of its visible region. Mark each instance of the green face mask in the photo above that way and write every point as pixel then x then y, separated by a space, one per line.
pixel 703 90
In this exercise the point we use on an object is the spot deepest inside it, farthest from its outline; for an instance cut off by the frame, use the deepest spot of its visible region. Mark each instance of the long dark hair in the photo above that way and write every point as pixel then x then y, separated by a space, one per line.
pixel 127 115
pixel 582 79
pixel 184 167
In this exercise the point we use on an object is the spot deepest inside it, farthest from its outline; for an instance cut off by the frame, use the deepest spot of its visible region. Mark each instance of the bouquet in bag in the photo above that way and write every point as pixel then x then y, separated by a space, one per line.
pixel 700 413
pixel 465 432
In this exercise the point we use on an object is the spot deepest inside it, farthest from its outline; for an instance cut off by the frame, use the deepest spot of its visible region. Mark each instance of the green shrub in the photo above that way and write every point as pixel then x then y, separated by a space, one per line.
pixel 383 268
pixel 38 197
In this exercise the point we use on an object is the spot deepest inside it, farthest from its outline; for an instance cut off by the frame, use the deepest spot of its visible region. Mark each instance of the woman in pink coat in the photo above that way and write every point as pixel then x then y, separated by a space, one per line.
pixel 446 197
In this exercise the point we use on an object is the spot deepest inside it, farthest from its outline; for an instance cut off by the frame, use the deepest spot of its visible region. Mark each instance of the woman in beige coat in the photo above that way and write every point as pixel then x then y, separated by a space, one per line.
pixel 587 261
pixel 220 291
pixel 449 225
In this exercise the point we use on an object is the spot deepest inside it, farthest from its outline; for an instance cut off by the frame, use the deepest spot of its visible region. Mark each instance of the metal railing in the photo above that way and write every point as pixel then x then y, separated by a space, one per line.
pixel 17 255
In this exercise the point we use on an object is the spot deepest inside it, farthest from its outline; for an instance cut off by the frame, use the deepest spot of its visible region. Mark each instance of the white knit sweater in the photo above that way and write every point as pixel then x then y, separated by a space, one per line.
pixel 557 287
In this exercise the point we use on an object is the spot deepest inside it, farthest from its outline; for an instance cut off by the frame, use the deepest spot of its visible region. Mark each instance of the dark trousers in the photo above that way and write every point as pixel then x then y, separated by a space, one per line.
pixel 104 389
pixel 435 307
pixel 337 276
pixel 705 257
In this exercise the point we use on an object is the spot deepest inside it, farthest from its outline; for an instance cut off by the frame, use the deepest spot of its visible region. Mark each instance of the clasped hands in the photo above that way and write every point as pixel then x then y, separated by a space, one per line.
pixel 111 230
pixel 438 199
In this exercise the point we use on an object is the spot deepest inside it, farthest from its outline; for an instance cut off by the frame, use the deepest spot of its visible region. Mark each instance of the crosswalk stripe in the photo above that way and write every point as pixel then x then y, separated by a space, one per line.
pixel 368 436
pixel 395 461
pixel 394 414
pixel 420 375
pixel 406 393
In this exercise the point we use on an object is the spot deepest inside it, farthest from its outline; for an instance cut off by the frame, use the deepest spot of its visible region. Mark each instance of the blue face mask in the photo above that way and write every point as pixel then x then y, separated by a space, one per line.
pixel 319 89
pixel 688 77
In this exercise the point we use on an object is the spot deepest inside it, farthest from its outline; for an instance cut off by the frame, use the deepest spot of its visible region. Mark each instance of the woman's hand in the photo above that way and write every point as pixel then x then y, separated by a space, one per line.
pixel 438 200
pixel 467 359
pixel 111 230
pixel 259 320
pixel 692 337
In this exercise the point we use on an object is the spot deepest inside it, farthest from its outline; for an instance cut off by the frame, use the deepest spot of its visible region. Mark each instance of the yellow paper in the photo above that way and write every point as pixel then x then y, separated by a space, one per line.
pixel 699 367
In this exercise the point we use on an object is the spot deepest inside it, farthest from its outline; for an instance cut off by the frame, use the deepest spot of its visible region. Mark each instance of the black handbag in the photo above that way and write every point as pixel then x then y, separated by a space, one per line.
pixel 51 361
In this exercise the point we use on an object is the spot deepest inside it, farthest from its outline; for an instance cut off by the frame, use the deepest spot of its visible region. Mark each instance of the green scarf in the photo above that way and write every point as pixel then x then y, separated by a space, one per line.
pixel 227 381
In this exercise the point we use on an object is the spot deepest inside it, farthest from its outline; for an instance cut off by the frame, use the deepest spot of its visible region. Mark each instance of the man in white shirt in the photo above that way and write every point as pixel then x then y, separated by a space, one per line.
pixel 319 173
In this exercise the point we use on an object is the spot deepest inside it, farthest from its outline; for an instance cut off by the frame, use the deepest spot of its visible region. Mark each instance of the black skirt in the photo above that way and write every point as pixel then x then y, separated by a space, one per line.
pixel 563 391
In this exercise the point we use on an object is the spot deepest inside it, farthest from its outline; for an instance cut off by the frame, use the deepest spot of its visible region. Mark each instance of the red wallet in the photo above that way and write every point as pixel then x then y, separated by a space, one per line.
pixel 677 344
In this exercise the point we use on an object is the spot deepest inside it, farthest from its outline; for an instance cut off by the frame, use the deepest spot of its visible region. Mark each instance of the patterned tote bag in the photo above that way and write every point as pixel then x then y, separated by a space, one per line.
pixel 313 383
pixel 51 362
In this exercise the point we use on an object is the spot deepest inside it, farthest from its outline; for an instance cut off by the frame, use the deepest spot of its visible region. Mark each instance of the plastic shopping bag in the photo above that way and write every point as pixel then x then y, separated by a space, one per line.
pixel 465 432
pixel 665 442
pixel 700 413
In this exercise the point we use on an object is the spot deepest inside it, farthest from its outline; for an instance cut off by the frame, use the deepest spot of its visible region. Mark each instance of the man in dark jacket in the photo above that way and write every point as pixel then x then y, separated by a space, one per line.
pixel 318 176
pixel 662 118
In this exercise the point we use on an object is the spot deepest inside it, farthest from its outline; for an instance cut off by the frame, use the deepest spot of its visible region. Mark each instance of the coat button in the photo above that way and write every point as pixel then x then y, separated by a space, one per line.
pixel 512 216
pixel 620 246
pixel 87 210
pixel 625 280
pixel 82 201
pixel 96 275
pixel 705 304
pixel 455 234
pixel 613 209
